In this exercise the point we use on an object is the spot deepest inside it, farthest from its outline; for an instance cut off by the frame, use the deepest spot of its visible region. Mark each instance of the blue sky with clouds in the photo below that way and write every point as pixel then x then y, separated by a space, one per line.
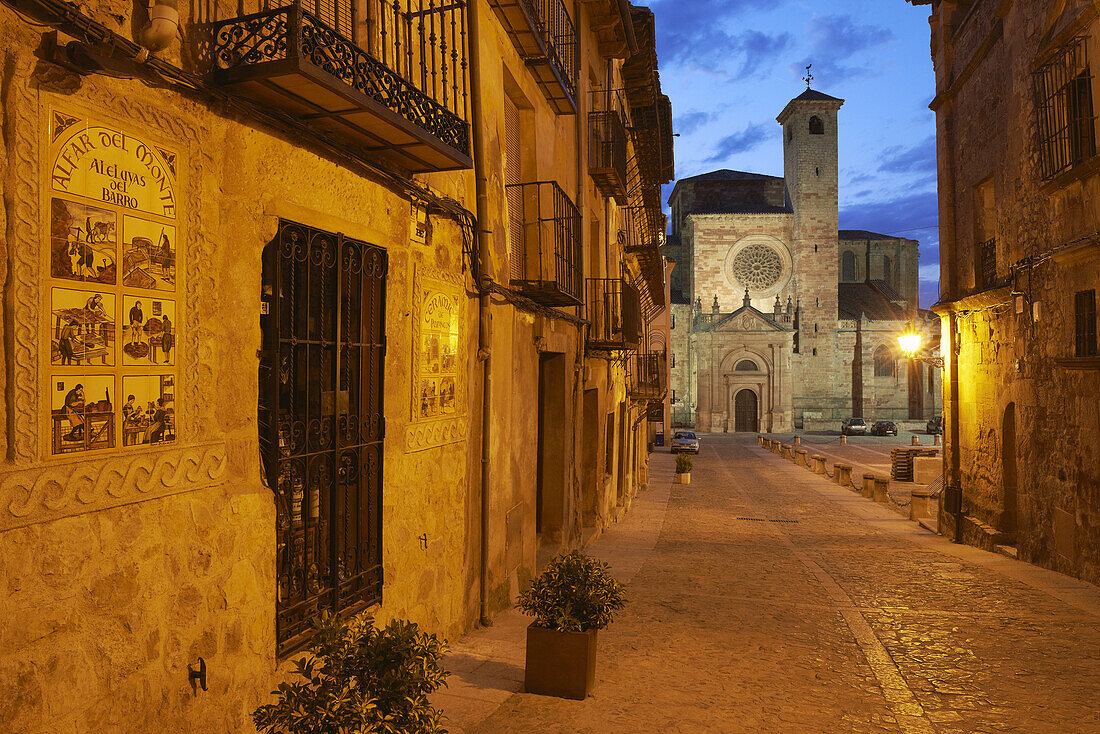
pixel 730 66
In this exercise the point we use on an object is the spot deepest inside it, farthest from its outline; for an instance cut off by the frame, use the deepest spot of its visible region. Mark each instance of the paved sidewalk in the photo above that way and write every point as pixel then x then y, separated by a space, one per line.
pixel 487 664
pixel 763 598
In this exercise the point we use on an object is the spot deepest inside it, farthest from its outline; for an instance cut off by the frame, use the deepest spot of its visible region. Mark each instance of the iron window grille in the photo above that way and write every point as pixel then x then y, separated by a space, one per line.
pixel 544 35
pixel 405 65
pixel 647 375
pixel 613 309
pixel 547 227
pixel 1084 313
pixel 987 264
pixel 607 144
pixel 1066 120
pixel 321 422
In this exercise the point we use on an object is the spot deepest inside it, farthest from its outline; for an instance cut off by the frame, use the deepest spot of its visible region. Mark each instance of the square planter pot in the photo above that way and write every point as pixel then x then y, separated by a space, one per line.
pixel 684 478
pixel 560 664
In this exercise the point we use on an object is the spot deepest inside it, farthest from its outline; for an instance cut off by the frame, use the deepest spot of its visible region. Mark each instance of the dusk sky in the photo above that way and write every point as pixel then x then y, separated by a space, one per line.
pixel 730 66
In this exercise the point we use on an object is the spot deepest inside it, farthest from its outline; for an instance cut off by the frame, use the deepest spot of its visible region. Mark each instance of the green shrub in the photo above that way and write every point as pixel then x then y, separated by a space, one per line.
pixel 360 680
pixel 683 464
pixel 574 594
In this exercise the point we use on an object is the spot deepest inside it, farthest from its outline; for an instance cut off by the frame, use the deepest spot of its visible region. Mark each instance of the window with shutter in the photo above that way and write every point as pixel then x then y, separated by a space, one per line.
pixel 512 176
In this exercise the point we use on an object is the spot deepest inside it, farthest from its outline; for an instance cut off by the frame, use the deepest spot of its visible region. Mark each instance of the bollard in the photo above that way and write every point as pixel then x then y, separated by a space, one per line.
pixel 777 447
pixel 800 457
pixel 842 474
pixel 936 439
pixel 868 486
pixel 818 464
pixel 798 440
pixel 786 452
pixel 881 487
pixel 916 440
pixel 920 506
pixel 843 440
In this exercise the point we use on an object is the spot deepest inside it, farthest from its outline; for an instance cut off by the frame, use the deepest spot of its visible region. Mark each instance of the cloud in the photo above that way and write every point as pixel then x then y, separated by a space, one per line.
pixel 921 158
pixel 907 215
pixel 834 39
pixel 929 273
pixel 701 34
pixel 760 51
pixel 689 122
pixel 740 142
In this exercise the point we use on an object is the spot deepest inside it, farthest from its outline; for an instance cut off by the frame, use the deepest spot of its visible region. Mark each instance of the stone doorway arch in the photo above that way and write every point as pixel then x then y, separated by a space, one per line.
pixel 746 411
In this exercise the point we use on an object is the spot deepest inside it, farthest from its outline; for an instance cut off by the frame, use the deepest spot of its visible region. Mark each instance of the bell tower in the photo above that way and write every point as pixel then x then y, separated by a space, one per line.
pixel 810 168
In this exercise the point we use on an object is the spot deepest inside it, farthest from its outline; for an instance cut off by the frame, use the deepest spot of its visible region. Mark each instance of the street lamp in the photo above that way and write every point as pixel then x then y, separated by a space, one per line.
pixel 909 341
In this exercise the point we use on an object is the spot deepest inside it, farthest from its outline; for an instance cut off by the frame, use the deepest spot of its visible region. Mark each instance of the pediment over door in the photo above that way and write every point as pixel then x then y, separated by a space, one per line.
pixel 747 319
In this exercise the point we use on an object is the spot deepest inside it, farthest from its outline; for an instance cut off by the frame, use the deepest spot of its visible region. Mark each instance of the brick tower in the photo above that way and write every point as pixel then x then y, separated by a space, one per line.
pixel 810 169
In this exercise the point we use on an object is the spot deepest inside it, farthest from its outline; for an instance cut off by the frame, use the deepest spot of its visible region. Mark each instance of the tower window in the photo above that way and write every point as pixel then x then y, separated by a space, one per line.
pixel 817 127
pixel 817 171
pixel 815 351
pixel 790 134
pixel 848 266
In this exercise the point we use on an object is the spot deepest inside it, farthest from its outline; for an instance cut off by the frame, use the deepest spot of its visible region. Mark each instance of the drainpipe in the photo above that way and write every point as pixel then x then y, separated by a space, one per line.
pixel 579 128
pixel 484 241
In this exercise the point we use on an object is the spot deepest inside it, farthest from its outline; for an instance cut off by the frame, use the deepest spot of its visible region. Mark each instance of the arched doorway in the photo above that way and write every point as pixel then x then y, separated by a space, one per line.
pixel 1008 469
pixel 746 414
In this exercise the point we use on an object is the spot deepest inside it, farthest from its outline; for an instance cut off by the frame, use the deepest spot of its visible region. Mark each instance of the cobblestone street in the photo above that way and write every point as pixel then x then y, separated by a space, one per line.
pixel 764 598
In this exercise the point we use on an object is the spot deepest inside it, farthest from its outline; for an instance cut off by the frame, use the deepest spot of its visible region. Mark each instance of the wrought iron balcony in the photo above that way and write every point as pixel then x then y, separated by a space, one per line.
pixel 653 138
pixel 607 149
pixel 613 310
pixel 643 228
pixel 402 96
pixel 648 375
pixel 544 36
pixel 545 237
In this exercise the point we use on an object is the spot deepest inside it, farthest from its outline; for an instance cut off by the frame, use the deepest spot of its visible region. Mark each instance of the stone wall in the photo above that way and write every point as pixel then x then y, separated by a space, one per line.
pixel 1018 401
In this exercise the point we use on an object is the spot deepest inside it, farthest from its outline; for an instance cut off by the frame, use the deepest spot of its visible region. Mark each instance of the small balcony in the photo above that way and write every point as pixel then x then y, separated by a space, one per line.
pixel 607 145
pixel 545 242
pixel 403 96
pixel 648 376
pixel 544 36
pixel 643 228
pixel 613 309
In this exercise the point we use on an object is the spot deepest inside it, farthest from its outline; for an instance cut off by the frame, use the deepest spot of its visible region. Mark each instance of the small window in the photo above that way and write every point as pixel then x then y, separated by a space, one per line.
pixel 672 324
pixel 888 271
pixel 987 264
pixel 848 267
pixel 1066 122
pixel 790 134
pixel 884 362
pixel 1084 315
pixel 674 359
pixel 817 127
pixel 746 365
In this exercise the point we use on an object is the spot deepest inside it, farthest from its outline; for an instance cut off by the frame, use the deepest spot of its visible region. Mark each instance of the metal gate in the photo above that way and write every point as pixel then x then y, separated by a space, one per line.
pixel 745 412
pixel 321 421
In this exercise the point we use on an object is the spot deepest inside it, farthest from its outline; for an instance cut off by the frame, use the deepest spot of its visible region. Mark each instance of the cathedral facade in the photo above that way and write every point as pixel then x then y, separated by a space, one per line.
pixel 781 319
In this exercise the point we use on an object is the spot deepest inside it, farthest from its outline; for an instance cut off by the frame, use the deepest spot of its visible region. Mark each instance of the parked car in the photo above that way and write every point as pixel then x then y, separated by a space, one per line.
pixel 853 426
pixel 935 426
pixel 884 428
pixel 685 442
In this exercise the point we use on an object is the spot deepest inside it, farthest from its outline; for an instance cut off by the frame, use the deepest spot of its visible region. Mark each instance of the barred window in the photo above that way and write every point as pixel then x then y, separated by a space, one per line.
pixel 1084 313
pixel 1067 124
pixel 987 263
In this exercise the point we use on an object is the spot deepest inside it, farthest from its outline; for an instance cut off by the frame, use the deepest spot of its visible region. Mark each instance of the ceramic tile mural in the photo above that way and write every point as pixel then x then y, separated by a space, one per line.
pixel 113 257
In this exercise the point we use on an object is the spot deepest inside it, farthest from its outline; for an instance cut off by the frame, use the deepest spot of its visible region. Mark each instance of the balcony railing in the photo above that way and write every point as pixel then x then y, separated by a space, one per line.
pixel 546 243
pixel 643 228
pixel 648 375
pixel 613 310
pixel 402 96
pixel 607 144
pixel 544 36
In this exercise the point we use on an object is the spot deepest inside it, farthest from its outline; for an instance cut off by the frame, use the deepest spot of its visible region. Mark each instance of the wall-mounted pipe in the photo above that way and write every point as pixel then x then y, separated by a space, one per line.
pixel 163 25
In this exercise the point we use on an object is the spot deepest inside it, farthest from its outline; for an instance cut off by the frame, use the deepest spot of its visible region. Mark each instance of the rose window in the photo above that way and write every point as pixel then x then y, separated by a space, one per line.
pixel 757 267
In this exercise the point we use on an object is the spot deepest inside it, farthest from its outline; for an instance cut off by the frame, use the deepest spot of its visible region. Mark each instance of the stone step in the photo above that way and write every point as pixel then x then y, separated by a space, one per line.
pixel 1006 550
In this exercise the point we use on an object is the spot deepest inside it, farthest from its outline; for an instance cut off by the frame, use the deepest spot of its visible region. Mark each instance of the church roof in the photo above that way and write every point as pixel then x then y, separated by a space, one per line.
pixel 726 174
pixel 812 95
pixel 874 300
pixel 862 234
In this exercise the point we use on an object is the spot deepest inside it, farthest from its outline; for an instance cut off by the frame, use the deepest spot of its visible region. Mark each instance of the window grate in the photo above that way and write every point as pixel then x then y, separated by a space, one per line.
pixel 321 422
pixel 987 263
pixel 1066 121
pixel 1084 311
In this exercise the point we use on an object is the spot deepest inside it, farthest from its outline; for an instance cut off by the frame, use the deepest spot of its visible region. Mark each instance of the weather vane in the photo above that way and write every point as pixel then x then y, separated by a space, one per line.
pixel 809 77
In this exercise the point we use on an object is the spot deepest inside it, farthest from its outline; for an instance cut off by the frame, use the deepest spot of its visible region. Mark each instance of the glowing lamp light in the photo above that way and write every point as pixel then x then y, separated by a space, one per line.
pixel 909 340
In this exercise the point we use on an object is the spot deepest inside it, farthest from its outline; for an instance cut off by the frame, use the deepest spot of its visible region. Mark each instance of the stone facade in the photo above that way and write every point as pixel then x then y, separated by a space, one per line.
pixel 122 565
pixel 1018 215
pixel 836 298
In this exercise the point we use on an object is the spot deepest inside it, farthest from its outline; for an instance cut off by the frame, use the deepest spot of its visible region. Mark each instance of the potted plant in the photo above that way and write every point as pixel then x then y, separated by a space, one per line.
pixel 683 469
pixel 571 600
pixel 356 678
